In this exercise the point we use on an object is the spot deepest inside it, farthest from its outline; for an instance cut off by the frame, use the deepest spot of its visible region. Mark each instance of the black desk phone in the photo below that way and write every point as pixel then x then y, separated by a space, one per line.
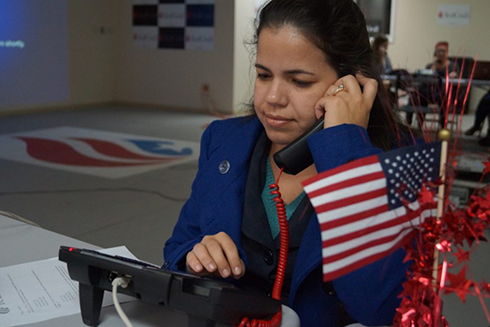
pixel 206 301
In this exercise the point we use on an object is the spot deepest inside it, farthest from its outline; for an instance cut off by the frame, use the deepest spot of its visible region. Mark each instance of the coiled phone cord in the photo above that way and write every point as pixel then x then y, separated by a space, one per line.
pixel 275 321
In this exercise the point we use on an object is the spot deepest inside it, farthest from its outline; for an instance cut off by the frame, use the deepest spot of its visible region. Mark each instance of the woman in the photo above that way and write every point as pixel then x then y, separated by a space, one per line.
pixel 306 49
pixel 441 65
pixel 380 57
pixel 434 92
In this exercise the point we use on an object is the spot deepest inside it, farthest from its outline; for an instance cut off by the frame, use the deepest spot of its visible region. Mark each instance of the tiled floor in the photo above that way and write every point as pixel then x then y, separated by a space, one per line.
pixel 139 211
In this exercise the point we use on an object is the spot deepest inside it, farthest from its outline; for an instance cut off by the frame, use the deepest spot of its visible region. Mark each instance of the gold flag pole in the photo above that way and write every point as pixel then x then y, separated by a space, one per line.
pixel 444 136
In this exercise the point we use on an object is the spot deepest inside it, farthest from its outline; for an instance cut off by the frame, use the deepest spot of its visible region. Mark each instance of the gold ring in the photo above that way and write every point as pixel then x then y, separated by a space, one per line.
pixel 339 88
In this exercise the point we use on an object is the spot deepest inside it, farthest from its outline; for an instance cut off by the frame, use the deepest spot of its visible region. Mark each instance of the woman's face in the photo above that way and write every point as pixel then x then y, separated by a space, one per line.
pixel 440 53
pixel 383 48
pixel 292 75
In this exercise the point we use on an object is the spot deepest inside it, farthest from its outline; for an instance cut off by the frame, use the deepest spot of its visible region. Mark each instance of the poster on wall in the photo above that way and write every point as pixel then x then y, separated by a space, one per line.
pixel 174 24
pixel 380 17
pixel 453 15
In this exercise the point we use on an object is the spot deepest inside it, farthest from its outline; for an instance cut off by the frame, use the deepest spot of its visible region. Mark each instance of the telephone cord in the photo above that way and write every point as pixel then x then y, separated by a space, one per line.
pixel 276 320
pixel 123 282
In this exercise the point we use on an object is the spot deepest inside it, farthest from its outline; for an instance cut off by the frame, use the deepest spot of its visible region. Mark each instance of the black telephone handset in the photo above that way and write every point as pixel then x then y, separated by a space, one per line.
pixel 296 157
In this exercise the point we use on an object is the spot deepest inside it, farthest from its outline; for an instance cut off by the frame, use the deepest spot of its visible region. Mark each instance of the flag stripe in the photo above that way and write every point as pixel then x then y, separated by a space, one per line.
pixel 355 197
pixel 365 253
pixel 331 196
pixel 338 214
pixel 350 170
pixel 359 233
pixel 377 220
pixel 347 252
pixel 333 247
pixel 333 274
pixel 352 181
pixel 346 220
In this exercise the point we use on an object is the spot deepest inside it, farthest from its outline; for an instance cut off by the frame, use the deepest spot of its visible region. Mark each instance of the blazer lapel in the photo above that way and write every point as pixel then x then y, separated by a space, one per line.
pixel 225 191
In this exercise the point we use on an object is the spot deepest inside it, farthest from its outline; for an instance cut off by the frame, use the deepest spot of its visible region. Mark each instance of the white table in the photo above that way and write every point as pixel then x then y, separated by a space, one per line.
pixel 21 243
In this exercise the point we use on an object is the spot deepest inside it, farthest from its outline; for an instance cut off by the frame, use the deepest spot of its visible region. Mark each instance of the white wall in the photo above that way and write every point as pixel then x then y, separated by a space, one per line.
pixel 416 33
pixel 243 72
pixel 92 39
pixel 106 67
pixel 91 55
pixel 173 78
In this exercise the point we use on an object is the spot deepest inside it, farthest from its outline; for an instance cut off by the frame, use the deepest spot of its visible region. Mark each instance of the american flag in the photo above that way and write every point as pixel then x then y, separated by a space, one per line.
pixel 369 207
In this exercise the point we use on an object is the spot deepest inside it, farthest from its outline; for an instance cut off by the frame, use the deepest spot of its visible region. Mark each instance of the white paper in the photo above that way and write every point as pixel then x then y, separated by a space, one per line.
pixel 42 290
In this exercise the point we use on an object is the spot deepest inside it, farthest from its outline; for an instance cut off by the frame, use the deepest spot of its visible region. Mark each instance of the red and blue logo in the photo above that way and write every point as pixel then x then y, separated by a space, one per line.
pixel 94 152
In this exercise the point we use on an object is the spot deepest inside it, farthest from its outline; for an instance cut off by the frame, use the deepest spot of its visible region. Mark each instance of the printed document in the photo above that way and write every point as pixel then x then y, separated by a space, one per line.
pixel 42 290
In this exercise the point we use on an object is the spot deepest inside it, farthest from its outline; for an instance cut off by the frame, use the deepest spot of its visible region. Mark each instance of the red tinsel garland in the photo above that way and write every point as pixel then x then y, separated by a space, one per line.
pixel 421 303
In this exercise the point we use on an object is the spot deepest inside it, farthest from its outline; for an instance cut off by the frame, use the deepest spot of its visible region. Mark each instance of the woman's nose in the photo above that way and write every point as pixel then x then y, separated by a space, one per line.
pixel 276 94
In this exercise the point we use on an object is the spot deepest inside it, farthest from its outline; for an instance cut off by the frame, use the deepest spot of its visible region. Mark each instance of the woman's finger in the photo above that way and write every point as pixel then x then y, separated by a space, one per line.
pixel 351 85
pixel 370 88
pixel 333 88
pixel 216 251
pixel 201 252
pixel 216 254
pixel 193 263
pixel 320 108
pixel 242 271
pixel 231 253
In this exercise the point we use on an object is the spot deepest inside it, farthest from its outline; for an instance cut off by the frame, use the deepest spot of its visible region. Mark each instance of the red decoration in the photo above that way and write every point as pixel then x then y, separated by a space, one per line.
pixel 421 294
pixel 485 286
pixel 421 303
pixel 459 284
pixel 426 196
pixel 462 256
pixel 458 227
pixel 487 166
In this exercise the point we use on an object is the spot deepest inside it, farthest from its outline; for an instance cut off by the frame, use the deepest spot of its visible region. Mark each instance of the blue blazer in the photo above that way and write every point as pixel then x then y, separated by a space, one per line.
pixel 369 295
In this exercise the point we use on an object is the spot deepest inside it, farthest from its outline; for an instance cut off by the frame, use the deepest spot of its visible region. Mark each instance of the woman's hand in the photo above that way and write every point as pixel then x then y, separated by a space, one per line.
pixel 350 106
pixel 217 256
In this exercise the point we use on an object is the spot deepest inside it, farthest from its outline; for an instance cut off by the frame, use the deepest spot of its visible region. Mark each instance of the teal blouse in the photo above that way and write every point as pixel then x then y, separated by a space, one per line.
pixel 270 205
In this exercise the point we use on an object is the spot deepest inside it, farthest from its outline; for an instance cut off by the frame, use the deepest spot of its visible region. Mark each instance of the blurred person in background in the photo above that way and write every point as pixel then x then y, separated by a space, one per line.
pixel 441 63
pixel 433 92
pixel 482 111
pixel 381 61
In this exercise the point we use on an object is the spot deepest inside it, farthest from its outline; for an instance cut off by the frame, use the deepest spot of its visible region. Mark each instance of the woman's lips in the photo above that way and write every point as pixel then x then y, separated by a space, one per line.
pixel 276 121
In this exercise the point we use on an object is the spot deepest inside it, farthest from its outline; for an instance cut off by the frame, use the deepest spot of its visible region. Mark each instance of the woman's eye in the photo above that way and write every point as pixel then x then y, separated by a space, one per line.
pixel 262 76
pixel 301 83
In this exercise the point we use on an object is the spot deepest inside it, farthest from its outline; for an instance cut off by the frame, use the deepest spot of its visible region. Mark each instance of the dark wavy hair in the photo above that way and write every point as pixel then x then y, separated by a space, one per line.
pixel 338 28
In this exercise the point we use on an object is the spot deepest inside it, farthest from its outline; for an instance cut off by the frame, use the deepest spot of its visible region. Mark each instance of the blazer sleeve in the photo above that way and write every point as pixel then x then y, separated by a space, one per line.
pixel 369 294
pixel 232 139
pixel 187 231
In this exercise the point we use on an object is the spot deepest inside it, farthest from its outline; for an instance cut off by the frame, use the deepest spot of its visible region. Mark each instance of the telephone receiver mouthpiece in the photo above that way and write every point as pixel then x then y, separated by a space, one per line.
pixel 296 157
